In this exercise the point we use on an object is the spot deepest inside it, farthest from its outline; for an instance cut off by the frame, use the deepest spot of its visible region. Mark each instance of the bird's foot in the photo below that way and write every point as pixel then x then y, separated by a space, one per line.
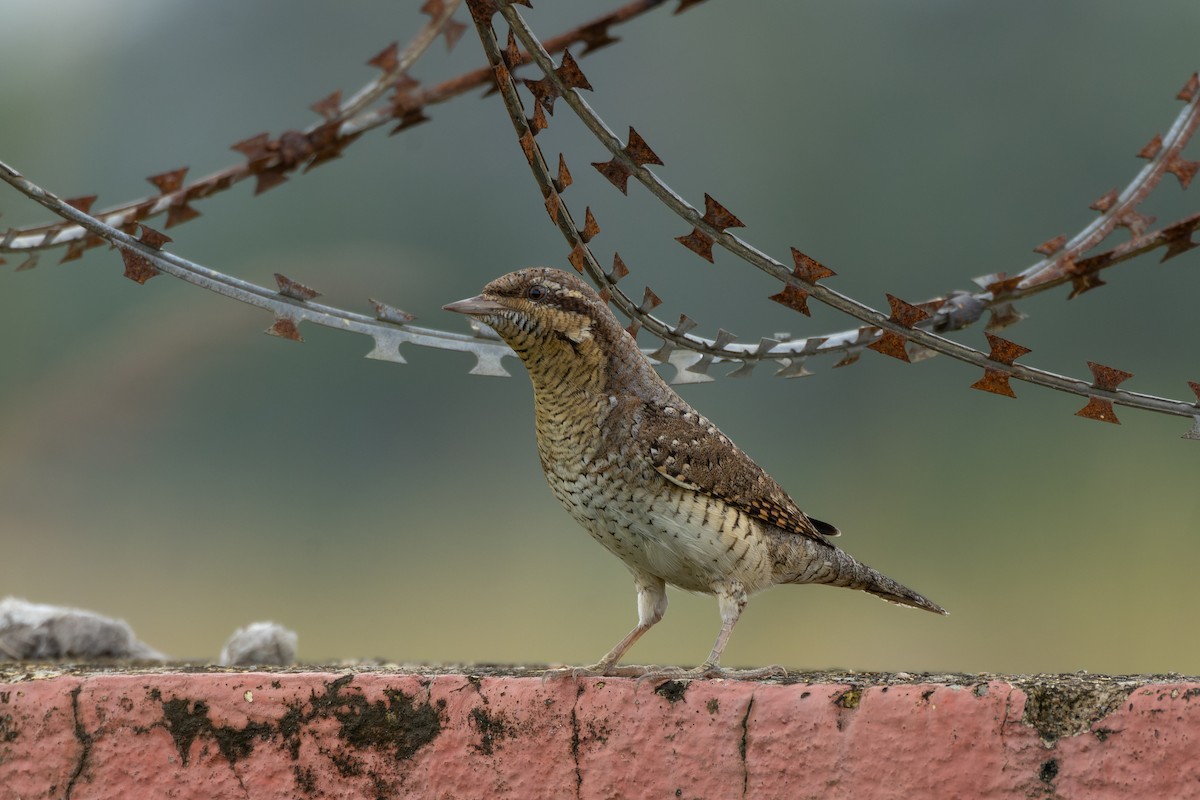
pixel 773 671
pixel 656 673
pixel 600 670
pixel 710 672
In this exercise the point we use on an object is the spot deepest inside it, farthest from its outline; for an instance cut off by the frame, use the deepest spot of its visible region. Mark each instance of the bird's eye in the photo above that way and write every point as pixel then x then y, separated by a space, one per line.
pixel 536 292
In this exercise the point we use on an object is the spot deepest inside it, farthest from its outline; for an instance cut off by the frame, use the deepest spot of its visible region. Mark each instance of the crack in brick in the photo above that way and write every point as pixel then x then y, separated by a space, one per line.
pixel 85 740
pixel 744 744
pixel 575 742
pixel 1003 734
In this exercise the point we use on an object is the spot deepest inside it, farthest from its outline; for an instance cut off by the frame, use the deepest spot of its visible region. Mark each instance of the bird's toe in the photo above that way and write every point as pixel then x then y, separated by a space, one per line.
pixel 711 672
pixel 600 670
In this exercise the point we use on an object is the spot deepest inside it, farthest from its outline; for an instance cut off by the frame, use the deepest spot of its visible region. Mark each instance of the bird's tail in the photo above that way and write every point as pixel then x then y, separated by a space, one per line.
pixel 833 566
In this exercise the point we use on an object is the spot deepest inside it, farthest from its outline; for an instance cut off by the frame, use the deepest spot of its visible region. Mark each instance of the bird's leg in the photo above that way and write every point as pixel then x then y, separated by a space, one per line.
pixel 652 604
pixel 731 600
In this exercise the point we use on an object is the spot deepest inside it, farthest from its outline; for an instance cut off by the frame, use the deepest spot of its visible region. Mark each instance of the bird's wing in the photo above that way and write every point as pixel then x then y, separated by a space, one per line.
pixel 689 451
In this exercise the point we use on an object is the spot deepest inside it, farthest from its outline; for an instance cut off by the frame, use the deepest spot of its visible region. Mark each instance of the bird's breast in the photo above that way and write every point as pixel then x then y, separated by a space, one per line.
pixel 692 541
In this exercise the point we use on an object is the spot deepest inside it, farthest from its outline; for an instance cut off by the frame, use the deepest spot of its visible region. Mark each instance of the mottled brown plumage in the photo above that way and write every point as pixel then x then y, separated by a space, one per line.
pixel 646 475
pixel 689 451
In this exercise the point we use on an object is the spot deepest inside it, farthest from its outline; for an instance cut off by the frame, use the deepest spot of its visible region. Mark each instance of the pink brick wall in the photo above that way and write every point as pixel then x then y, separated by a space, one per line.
pixel 393 734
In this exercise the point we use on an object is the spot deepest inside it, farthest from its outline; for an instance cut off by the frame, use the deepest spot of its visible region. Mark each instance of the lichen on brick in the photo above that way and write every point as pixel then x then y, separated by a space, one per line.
pixel 1061 709
pixel 671 691
pixel 849 698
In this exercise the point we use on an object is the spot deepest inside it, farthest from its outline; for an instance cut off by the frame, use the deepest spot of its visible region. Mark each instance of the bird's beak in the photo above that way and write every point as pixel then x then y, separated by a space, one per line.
pixel 480 305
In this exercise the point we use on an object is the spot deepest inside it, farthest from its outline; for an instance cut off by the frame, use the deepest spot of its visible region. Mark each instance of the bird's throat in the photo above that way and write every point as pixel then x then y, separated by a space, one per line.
pixel 569 380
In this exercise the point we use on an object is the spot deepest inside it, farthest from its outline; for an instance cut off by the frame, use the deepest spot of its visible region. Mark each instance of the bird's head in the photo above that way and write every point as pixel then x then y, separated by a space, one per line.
pixel 565 334
pixel 541 311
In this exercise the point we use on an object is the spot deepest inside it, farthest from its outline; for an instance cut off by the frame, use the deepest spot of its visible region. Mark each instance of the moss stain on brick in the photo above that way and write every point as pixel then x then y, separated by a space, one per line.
pixel 9 732
pixel 186 721
pixel 492 728
pixel 398 724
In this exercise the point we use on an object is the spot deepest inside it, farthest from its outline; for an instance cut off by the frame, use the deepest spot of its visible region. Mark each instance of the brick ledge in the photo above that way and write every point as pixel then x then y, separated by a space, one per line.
pixel 189 732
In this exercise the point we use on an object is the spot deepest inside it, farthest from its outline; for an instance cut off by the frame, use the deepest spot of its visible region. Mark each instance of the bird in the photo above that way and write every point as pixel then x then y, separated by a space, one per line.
pixel 653 481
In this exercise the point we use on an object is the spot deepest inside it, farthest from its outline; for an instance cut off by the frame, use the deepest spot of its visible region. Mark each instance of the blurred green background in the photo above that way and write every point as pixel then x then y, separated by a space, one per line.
pixel 162 461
